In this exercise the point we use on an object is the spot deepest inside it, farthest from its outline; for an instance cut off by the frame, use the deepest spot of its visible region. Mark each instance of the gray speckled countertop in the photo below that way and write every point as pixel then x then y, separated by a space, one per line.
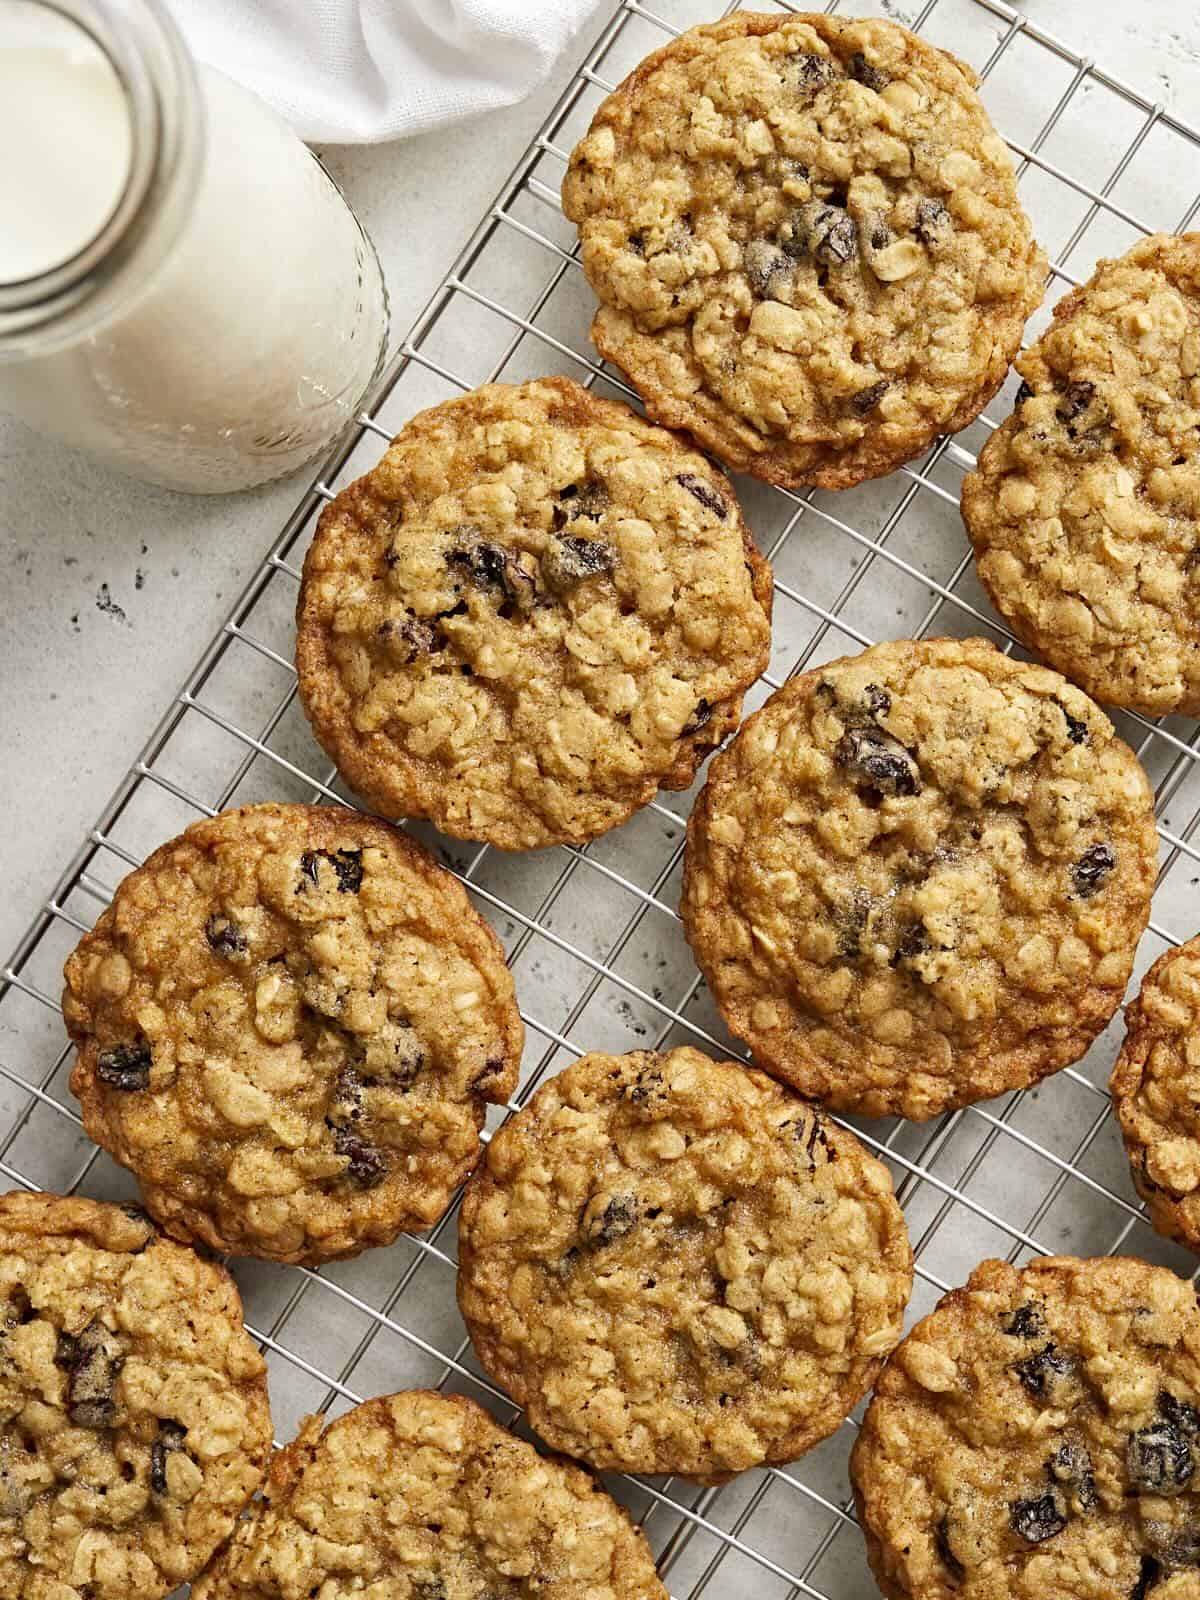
pixel 112 588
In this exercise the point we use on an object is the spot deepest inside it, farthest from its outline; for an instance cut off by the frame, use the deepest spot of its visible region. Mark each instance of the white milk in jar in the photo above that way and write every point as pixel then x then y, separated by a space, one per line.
pixel 226 327
pixel 56 190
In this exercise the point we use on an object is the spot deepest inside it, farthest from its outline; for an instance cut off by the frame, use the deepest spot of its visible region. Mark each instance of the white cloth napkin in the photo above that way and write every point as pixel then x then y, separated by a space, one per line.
pixel 360 71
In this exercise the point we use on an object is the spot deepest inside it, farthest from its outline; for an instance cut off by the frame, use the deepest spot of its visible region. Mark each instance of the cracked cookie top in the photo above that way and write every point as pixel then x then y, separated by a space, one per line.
pixel 1038 1435
pixel 421 1496
pixel 289 1023
pixel 1085 507
pixel 806 239
pixel 1156 1092
pixel 677 1266
pixel 134 1423
pixel 918 876
pixel 536 611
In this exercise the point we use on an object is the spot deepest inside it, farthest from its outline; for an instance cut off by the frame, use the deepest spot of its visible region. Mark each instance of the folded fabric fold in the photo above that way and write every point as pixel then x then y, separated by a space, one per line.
pixel 362 71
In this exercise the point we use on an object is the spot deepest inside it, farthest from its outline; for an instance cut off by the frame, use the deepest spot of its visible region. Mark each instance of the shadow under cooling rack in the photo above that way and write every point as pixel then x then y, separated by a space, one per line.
pixel 592 934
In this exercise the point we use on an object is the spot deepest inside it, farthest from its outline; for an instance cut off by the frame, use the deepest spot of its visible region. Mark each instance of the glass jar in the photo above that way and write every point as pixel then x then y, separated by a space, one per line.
pixel 225 317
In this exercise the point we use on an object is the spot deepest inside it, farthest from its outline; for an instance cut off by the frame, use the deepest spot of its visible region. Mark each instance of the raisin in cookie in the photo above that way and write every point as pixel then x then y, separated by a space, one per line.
pixel 677 1266
pixel 918 876
pixel 1085 508
pixel 1156 1092
pixel 421 1496
pixel 805 236
pixel 1036 1438
pixel 289 1023
pixel 536 611
pixel 135 1418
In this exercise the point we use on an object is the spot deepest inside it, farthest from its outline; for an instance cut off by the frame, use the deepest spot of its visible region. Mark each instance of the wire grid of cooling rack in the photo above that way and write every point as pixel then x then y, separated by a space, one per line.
pixel 592 934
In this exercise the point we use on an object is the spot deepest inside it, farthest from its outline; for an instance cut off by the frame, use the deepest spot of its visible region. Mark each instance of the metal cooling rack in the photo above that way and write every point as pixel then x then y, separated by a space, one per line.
pixel 592 934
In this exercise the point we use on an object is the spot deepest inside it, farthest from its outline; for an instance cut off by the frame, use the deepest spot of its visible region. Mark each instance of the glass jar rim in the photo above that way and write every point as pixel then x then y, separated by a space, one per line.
pixel 157 76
